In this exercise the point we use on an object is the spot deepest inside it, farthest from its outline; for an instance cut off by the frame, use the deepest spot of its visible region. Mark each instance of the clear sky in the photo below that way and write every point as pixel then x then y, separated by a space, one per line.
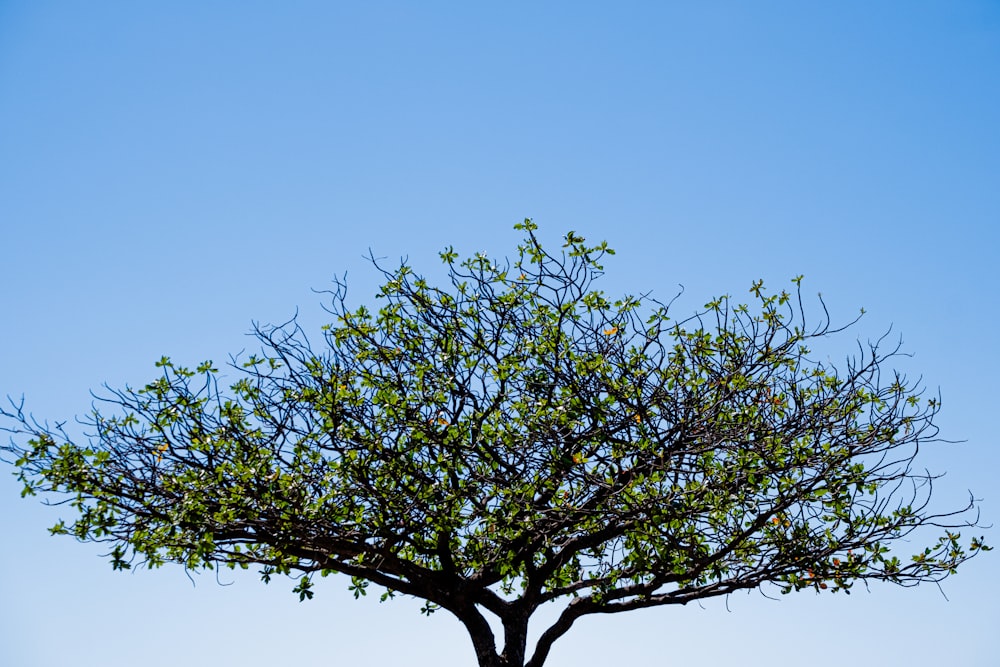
pixel 170 172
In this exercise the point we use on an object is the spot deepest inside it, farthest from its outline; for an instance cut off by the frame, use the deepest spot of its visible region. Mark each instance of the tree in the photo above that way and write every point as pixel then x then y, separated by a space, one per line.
pixel 517 439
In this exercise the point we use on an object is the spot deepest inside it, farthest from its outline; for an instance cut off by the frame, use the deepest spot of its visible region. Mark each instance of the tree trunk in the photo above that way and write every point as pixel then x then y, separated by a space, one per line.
pixel 515 631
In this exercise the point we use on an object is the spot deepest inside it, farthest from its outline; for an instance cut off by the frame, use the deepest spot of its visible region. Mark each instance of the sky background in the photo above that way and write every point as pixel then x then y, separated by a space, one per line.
pixel 171 172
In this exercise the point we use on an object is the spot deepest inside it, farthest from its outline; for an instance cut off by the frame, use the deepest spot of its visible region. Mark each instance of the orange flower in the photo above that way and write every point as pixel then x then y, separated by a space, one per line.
pixel 611 332
pixel 775 521
pixel 638 419
pixel 836 561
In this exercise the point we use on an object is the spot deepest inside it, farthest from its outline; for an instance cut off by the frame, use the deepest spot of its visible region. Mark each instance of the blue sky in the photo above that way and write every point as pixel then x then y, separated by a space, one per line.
pixel 170 172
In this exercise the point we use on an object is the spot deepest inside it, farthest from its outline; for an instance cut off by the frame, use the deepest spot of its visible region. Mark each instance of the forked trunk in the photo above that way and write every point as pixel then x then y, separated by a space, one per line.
pixel 515 639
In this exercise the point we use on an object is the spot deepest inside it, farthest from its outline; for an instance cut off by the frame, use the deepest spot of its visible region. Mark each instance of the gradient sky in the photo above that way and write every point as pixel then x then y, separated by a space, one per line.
pixel 170 172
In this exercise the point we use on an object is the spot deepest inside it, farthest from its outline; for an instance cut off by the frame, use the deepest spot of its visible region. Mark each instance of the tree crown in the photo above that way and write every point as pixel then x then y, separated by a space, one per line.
pixel 515 438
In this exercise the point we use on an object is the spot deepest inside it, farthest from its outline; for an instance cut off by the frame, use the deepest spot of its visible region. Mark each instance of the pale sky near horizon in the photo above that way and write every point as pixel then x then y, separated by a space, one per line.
pixel 170 172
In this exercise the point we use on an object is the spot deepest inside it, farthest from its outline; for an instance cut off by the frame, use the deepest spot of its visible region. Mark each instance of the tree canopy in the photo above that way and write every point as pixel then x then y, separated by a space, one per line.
pixel 518 438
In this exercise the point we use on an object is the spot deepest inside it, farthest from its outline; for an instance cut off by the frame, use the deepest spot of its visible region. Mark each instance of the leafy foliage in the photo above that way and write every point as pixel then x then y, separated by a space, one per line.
pixel 518 438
